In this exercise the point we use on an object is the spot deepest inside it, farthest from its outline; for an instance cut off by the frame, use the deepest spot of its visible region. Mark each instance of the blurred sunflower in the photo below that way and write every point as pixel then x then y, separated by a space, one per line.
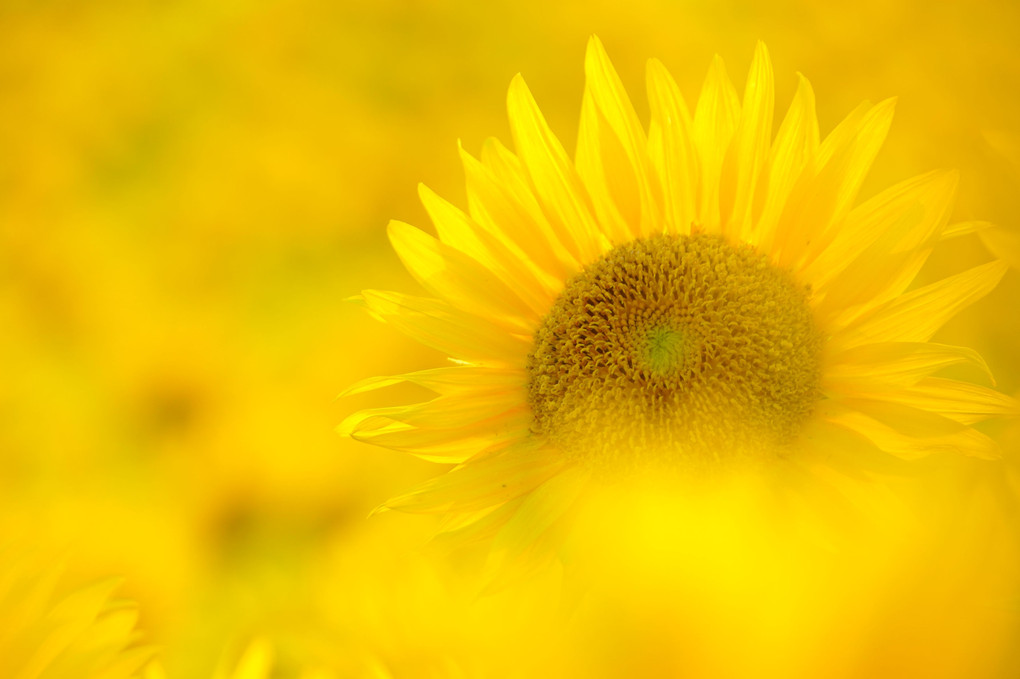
pixel 685 300
pixel 84 634
pixel 255 662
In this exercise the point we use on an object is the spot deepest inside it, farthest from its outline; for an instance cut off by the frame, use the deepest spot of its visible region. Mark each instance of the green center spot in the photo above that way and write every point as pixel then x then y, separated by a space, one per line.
pixel 666 350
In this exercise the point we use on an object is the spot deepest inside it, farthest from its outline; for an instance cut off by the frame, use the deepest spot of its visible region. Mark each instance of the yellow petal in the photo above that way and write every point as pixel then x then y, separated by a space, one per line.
pixel 443 327
pixel 128 663
pixel 509 210
pixel 459 529
pixel 795 145
pixel 451 380
pixel 830 446
pixel 154 671
pixel 917 315
pixel 441 445
pixel 446 429
pixel 959 401
pixel 909 432
pixel 604 167
pixel 511 266
pixel 457 410
pixel 553 177
pixel 749 150
pixel 672 150
pixel 515 552
pixel 459 279
pixel 870 281
pixel 963 228
pixel 256 662
pixel 485 482
pixel 825 192
pixel 902 218
pixel 1004 243
pixel 543 507
pixel 610 97
pixel 507 168
pixel 66 622
pixel 900 227
pixel 715 119
pixel 894 363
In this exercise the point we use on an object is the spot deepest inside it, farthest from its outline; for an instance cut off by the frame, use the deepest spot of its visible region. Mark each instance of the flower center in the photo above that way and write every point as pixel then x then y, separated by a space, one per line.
pixel 675 351
pixel 664 350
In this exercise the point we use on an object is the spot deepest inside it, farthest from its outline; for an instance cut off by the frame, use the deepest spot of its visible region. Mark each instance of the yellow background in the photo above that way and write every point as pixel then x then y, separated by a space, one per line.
pixel 190 190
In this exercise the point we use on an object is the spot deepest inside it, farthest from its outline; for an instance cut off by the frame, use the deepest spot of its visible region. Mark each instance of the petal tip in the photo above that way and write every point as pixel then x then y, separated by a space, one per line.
pixel 398 230
pixel 384 507
pixel 425 194
pixel 517 85
pixel 887 106
pixel 349 425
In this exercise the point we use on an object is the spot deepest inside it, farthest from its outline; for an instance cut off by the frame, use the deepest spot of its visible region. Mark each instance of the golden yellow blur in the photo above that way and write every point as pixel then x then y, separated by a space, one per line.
pixel 48 632
pixel 189 191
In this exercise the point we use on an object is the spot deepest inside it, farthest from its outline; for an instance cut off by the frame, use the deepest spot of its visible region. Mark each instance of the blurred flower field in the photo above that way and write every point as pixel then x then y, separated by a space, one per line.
pixel 190 191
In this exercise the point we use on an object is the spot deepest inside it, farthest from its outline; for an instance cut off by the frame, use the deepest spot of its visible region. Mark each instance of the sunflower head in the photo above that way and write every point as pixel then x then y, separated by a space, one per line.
pixel 675 349
pixel 695 293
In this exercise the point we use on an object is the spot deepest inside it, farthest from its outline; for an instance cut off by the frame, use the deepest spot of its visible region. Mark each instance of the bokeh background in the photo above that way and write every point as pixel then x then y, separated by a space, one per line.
pixel 190 190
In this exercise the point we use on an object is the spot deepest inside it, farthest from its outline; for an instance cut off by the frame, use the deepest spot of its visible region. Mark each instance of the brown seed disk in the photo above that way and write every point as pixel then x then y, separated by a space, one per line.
pixel 675 351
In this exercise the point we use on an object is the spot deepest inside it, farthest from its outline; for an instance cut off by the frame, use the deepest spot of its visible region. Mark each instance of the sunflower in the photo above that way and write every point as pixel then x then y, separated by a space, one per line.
pixel 695 296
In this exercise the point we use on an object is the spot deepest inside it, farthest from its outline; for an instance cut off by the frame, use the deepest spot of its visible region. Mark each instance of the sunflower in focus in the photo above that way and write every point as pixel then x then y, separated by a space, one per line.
pixel 687 299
